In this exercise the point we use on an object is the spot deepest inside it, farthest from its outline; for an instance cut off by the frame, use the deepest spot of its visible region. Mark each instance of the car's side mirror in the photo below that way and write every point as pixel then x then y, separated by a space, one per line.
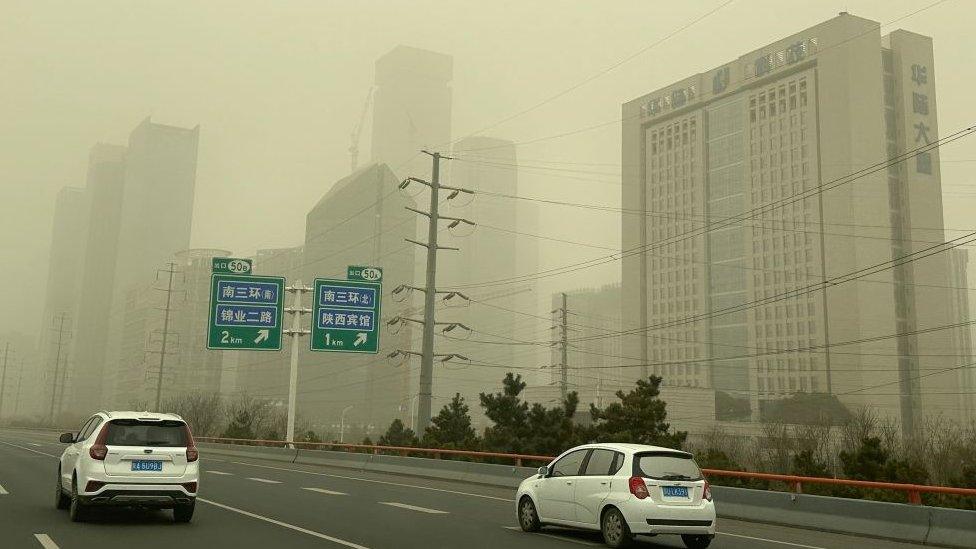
pixel 67 438
pixel 543 471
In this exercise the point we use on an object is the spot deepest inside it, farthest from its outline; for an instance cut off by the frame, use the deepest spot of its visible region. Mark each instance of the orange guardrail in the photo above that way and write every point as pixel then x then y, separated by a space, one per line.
pixel 913 491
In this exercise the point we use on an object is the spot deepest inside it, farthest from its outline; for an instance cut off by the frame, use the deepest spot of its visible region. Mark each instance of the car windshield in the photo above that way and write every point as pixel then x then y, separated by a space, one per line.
pixel 133 432
pixel 666 466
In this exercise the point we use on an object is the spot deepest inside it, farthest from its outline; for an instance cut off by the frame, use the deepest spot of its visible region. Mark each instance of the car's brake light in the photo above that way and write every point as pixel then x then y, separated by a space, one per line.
pixel 93 486
pixel 638 488
pixel 99 450
pixel 707 494
pixel 191 448
pixel 190 486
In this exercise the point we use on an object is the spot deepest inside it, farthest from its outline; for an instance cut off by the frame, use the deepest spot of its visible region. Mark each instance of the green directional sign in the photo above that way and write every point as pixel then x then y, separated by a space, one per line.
pixel 245 310
pixel 345 316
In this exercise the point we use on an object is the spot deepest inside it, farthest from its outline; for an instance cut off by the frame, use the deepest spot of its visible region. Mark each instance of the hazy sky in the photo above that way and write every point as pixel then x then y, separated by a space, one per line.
pixel 278 86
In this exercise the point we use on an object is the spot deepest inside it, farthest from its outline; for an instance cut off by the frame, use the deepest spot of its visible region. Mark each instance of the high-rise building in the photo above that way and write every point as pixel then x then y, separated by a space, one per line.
pixel 154 225
pixel 411 108
pixel 962 337
pixel 744 308
pixel 362 220
pixel 66 260
pixel 106 171
pixel 266 374
pixel 497 247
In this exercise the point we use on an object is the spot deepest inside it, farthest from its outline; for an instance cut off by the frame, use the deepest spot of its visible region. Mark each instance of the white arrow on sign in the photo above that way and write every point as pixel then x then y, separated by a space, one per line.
pixel 360 339
pixel 262 335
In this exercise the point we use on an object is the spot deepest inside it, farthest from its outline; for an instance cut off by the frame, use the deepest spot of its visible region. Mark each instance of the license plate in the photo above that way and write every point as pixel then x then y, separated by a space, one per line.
pixel 145 465
pixel 675 491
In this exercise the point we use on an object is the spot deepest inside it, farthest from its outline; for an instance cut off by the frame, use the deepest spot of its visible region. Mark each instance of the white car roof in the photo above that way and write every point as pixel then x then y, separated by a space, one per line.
pixel 629 448
pixel 157 416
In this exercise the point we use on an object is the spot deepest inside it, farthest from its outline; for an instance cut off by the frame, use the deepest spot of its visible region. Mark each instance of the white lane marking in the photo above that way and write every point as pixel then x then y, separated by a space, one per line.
pixel 34 444
pixel 46 541
pixel 284 524
pixel 324 491
pixel 790 543
pixel 218 473
pixel 3 492
pixel 553 536
pixel 506 500
pixel 264 480
pixel 413 507
pixel 28 449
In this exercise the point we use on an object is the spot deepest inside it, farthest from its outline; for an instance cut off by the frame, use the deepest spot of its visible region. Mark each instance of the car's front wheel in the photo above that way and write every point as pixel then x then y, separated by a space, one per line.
pixel 528 516
pixel 77 509
pixel 184 513
pixel 614 528
pixel 61 501
pixel 696 541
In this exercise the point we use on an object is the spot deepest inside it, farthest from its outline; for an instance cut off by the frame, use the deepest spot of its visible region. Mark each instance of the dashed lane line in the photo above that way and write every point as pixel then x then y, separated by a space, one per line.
pixel 284 524
pixel 3 491
pixel 388 483
pixel 217 473
pixel 790 543
pixel 413 508
pixel 46 541
pixel 28 449
pixel 264 480
pixel 327 492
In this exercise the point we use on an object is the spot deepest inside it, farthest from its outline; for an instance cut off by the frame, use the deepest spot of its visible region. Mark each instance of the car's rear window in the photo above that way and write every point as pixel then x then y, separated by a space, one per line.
pixel 134 432
pixel 666 466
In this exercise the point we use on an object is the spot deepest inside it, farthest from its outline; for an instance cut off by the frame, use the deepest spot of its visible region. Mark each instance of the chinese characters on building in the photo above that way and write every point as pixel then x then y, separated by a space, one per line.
pixel 920 111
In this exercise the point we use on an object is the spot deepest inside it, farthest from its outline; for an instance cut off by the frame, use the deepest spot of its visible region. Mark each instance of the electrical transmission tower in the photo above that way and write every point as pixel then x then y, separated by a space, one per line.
pixel 563 346
pixel 171 270
pixel 3 376
pixel 57 368
pixel 434 217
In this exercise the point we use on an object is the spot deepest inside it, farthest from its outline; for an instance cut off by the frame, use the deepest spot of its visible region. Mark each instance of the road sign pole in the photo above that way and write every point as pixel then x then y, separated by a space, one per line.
pixel 296 332
pixel 3 377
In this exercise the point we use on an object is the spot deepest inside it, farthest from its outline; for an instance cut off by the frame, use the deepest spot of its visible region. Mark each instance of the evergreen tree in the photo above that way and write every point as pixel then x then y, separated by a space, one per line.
pixel 451 428
pixel 640 417
pixel 240 425
pixel 508 413
pixel 398 435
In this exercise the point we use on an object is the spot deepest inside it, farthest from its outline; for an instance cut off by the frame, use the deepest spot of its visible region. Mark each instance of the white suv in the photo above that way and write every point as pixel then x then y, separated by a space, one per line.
pixel 136 459
pixel 622 490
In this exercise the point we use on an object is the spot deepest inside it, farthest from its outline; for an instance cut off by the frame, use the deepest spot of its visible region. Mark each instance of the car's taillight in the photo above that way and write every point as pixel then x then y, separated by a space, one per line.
pixel 93 486
pixel 190 486
pixel 99 450
pixel 191 448
pixel 638 488
pixel 707 494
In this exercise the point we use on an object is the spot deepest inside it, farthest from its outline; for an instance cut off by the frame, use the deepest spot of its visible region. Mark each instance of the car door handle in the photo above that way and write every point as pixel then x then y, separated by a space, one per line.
pixel 569 482
pixel 603 483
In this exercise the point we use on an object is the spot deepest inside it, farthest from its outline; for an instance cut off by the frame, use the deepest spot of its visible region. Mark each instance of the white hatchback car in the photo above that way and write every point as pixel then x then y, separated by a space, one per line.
pixel 622 490
pixel 134 459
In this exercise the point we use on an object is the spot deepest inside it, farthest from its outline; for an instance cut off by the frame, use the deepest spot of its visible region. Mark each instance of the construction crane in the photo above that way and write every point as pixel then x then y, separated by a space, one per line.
pixel 354 137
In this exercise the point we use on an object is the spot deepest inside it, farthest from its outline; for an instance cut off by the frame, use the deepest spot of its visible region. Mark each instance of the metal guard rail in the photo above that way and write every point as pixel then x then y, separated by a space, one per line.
pixel 913 491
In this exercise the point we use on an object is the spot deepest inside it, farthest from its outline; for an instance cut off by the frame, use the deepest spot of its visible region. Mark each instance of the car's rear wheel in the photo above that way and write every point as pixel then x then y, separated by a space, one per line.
pixel 184 513
pixel 77 510
pixel 700 541
pixel 614 528
pixel 528 516
pixel 62 501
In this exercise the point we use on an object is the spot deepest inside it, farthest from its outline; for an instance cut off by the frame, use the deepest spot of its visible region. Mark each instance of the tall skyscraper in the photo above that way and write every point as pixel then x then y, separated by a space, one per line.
pixel 496 248
pixel 65 263
pixel 743 308
pixel 411 108
pixel 106 173
pixel 362 220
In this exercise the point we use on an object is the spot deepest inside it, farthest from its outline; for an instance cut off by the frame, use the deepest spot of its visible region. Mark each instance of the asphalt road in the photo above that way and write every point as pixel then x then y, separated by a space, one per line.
pixel 254 503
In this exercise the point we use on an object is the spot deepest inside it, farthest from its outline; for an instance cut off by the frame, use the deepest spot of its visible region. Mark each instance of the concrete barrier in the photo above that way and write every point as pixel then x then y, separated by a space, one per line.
pixel 895 521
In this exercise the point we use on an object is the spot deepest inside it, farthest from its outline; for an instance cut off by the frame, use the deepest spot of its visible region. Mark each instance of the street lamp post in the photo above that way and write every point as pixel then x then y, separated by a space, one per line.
pixel 342 422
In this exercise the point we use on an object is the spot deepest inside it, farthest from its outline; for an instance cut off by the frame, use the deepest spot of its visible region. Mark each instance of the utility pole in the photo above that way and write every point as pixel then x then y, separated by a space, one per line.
pixel 20 380
pixel 162 351
pixel 563 343
pixel 3 376
pixel 296 332
pixel 430 287
pixel 57 367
